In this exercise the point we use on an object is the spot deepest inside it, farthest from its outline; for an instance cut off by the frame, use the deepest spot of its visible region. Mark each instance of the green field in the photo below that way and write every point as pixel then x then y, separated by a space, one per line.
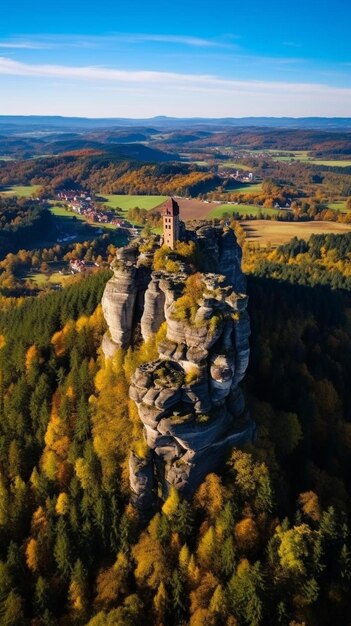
pixel 200 163
pixel 24 191
pixel 60 211
pixel 329 163
pixel 339 205
pixel 124 202
pixel 235 165
pixel 275 233
pixel 303 157
pixel 246 188
pixel 42 279
pixel 242 209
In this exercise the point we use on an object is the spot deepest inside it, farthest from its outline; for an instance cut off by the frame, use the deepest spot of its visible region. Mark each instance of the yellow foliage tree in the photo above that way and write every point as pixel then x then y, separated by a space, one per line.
pixel 152 566
pixel 32 356
pixel 309 503
pixel 57 442
pixel 246 534
pixel 194 573
pixel 32 554
pixel 59 339
pixel 39 519
pixel 171 504
pixel 206 548
pixel 210 496
pixel 62 503
pixel 295 548
pixel 83 472
pixel 200 598
pixel 203 617
pixel 184 557
pixel 160 603
pixel 218 601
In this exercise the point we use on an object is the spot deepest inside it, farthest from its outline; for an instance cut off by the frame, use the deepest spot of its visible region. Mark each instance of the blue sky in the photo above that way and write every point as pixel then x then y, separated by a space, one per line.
pixel 185 58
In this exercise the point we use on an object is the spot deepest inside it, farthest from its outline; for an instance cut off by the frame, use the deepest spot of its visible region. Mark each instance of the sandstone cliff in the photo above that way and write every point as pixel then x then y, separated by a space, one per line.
pixel 189 400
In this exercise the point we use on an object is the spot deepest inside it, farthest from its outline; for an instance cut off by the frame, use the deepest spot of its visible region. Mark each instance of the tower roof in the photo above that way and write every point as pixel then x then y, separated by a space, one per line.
pixel 171 207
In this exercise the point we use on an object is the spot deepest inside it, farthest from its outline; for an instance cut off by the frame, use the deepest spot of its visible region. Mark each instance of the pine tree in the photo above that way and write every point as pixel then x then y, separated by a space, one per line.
pixel 63 549
pixel 12 610
pixel 178 594
pixel 41 595
pixel 78 589
pixel 160 603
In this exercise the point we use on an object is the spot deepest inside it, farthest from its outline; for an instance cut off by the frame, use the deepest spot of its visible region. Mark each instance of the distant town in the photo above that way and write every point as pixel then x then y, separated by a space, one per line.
pixel 82 203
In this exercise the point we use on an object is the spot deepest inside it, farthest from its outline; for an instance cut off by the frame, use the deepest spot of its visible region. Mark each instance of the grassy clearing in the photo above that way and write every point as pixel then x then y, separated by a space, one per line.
pixel 42 279
pixel 235 165
pixel 242 209
pixel 339 205
pixel 200 163
pixel 123 202
pixel 246 188
pixel 276 233
pixel 60 211
pixel 286 152
pixel 24 191
pixel 330 163
pixel 52 276
pixel 289 158
pixel 303 157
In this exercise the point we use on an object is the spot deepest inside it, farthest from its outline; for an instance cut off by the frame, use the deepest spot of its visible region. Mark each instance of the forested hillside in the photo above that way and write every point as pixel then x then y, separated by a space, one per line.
pixel 265 543
pixel 101 173
pixel 23 222
pixel 322 260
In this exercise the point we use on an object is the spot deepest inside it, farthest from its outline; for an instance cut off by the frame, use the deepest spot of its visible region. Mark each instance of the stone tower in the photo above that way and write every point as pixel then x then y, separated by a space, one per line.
pixel 170 223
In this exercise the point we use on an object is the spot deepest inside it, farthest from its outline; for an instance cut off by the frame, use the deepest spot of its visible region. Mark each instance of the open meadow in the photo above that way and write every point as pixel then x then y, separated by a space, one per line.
pixel 23 191
pixel 327 163
pixel 276 233
pixel 243 209
pixel 125 202
pixel 245 188
pixel 303 157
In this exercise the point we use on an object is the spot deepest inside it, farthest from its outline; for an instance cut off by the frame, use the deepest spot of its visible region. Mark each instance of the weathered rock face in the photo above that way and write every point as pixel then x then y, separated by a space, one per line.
pixel 123 298
pixel 189 399
pixel 154 303
pixel 118 303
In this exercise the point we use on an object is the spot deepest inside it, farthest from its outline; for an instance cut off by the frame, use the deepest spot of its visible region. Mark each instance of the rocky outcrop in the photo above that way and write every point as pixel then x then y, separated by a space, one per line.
pixel 118 303
pixel 189 400
pixel 124 295
pixel 154 303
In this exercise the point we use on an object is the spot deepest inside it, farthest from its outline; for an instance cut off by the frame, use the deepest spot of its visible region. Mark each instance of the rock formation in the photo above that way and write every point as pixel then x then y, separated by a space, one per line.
pixel 189 400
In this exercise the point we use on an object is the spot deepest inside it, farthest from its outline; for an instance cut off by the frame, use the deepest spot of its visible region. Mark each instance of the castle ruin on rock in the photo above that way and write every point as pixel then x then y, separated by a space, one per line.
pixel 189 399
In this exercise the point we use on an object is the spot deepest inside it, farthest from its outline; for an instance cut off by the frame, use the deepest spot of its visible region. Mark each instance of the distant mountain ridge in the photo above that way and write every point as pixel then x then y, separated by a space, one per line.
pixel 13 123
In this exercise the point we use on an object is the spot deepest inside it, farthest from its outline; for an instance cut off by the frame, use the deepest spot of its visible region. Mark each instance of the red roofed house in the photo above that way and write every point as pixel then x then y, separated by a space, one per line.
pixel 170 216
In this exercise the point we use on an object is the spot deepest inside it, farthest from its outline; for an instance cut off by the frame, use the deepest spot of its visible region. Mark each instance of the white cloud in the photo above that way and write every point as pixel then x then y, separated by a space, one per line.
pixel 22 45
pixel 74 40
pixel 177 39
pixel 143 92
